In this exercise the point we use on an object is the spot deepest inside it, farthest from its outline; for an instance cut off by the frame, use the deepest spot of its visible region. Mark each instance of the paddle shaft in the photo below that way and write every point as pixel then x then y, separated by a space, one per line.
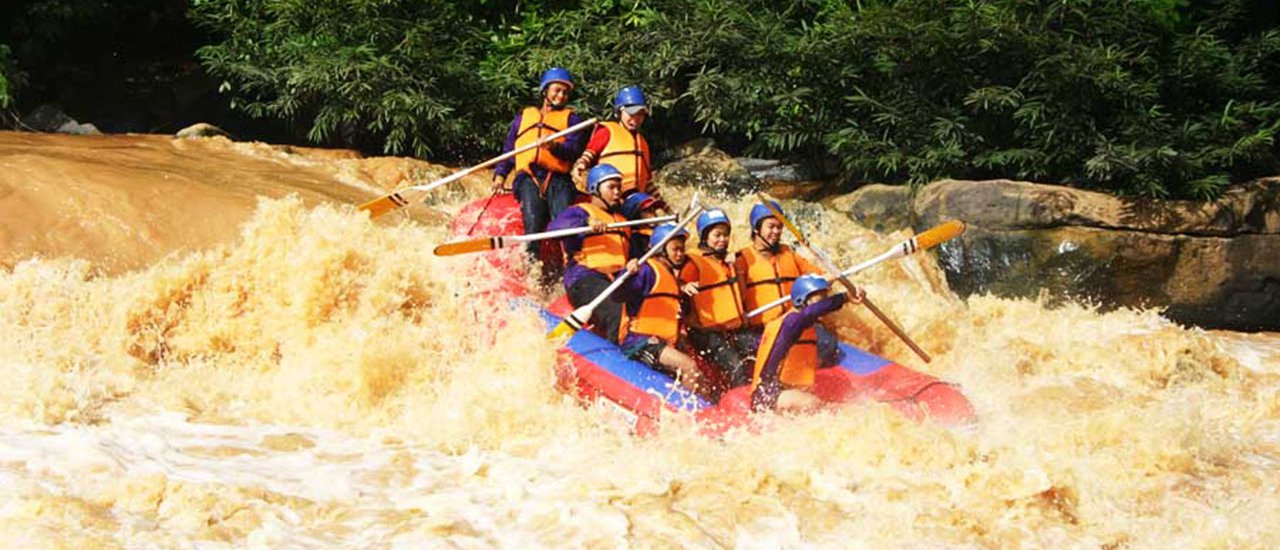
pixel 831 268
pixel 396 200
pixel 580 230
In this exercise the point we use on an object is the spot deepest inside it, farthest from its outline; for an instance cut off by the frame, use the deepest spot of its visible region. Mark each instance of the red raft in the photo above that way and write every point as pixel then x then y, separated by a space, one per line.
pixel 598 372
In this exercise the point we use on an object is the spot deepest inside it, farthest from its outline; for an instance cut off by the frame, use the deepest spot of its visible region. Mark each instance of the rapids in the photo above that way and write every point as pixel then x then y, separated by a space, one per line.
pixel 206 345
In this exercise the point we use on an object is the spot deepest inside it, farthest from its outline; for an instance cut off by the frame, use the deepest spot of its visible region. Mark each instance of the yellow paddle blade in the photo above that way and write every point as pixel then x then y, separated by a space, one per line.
pixel 940 234
pixel 382 205
pixel 474 245
pixel 562 330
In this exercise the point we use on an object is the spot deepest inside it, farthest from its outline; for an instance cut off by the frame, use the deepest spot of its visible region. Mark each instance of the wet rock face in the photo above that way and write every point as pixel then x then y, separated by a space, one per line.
pixel 1214 264
pixel 708 169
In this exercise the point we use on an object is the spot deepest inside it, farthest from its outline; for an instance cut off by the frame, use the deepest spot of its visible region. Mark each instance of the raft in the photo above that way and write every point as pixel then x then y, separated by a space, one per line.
pixel 636 395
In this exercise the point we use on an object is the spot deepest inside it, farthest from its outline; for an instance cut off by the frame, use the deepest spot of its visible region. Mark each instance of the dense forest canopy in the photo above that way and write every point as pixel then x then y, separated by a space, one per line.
pixel 1147 97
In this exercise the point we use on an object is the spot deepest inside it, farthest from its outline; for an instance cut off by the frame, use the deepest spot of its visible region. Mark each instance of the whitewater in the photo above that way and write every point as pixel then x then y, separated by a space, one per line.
pixel 206 345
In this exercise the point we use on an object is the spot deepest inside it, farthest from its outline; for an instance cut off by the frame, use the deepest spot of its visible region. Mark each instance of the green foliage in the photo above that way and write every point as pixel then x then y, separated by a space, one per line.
pixel 6 69
pixel 1146 97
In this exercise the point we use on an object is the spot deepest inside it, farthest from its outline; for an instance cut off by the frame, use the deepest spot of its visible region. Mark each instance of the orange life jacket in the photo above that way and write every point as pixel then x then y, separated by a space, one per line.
pixel 629 153
pixel 659 313
pixel 765 280
pixel 535 125
pixel 606 252
pixel 801 361
pixel 718 303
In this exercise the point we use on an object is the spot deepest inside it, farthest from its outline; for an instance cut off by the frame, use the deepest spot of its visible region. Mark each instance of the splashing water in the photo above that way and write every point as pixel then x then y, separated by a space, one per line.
pixel 309 378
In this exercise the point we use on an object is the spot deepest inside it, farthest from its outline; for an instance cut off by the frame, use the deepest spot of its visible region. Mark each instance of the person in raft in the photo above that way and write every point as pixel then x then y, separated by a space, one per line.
pixel 766 270
pixel 639 206
pixel 716 323
pixel 653 297
pixel 620 144
pixel 788 356
pixel 594 258
pixel 542 183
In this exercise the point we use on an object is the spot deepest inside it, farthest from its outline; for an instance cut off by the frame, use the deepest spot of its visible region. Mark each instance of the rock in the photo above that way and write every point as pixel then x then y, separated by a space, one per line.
pixel 1213 264
pixel 51 118
pixel 773 171
pixel 201 129
pixel 77 128
pixel 710 170
pixel 884 208
pixel 688 149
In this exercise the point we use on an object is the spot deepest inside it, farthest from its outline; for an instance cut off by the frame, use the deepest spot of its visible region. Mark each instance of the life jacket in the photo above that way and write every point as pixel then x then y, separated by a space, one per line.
pixel 629 153
pixel 802 359
pixel 764 280
pixel 659 313
pixel 535 125
pixel 718 303
pixel 606 252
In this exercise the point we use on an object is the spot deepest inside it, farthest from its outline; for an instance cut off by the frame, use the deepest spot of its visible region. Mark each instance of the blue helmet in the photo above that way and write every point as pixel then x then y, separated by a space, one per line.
pixel 635 203
pixel 600 174
pixel 630 96
pixel 661 231
pixel 759 212
pixel 715 216
pixel 556 74
pixel 805 286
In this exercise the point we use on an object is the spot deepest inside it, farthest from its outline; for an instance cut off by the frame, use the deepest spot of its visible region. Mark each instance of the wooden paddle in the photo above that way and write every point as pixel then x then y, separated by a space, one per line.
pixel 835 271
pixel 501 241
pixel 923 241
pixel 387 203
pixel 575 321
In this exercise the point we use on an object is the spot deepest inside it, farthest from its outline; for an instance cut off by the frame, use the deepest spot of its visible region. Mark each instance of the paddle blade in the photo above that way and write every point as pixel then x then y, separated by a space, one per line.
pixel 571 323
pixel 940 234
pixel 465 247
pixel 382 205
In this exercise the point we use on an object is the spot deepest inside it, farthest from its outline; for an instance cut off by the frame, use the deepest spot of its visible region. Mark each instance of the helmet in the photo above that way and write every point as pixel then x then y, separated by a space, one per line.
pixel 805 286
pixel 555 74
pixel 629 97
pixel 707 219
pixel 759 212
pixel 600 174
pixel 635 203
pixel 661 231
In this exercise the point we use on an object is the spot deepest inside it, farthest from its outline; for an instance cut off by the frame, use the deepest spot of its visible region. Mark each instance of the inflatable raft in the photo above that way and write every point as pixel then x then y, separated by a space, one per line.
pixel 597 372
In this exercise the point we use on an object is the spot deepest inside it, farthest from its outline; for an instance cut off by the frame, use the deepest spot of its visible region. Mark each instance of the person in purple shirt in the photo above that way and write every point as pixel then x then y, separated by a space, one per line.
pixel 541 182
pixel 654 300
pixel 594 258
pixel 777 367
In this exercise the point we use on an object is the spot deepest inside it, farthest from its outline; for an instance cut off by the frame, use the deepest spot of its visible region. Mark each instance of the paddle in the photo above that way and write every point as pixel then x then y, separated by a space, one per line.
pixel 574 321
pixel 835 271
pixel 923 241
pixel 501 241
pixel 382 205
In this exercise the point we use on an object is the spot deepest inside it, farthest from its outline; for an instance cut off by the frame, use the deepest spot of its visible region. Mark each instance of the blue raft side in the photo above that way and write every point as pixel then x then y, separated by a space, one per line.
pixel 608 357
pixel 860 362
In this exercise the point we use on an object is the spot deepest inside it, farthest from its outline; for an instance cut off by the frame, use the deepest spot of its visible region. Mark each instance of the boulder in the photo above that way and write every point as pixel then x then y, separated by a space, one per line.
pixel 884 208
pixel 50 118
pixel 201 129
pixel 710 170
pixel 1214 264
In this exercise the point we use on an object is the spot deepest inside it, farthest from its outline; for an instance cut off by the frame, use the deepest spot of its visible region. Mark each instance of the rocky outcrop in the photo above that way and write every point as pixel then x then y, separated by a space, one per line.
pixel 49 118
pixel 201 129
pixel 702 166
pixel 1214 264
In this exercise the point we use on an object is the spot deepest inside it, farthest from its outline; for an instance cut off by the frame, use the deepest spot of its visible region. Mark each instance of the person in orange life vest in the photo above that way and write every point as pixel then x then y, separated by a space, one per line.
pixel 653 299
pixel 639 206
pixel 766 270
pixel 593 259
pixel 542 183
pixel 620 144
pixel 788 355
pixel 716 324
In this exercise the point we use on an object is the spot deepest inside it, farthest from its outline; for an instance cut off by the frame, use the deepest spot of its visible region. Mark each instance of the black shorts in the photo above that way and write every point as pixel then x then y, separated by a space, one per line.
pixel 648 353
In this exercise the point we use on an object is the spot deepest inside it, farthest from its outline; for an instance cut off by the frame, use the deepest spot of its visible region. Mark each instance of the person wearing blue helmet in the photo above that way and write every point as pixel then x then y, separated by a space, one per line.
pixel 540 176
pixel 638 206
pixel 654 302
pixel 716 317
pixel 788 354
pixel 620 144
pixel 593 259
